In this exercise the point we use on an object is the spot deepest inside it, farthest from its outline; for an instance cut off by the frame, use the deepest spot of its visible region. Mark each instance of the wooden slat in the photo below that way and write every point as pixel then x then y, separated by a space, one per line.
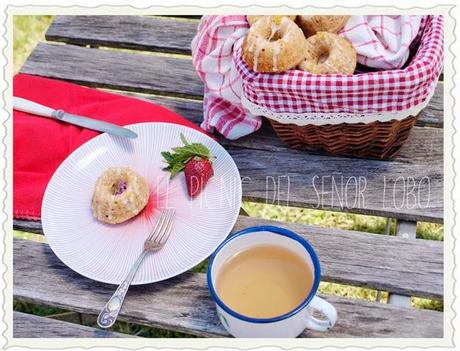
pixel 316 181
pixel 433 114
pixel 30 326
pixel 183 303
pixel 28 226
pixel 132 32
pixel 115 69
pixel 407 231
pixel 372 261
pixel 145 73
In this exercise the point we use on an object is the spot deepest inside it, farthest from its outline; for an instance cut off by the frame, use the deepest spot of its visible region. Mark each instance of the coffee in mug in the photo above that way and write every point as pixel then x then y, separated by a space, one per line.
pixel 264 281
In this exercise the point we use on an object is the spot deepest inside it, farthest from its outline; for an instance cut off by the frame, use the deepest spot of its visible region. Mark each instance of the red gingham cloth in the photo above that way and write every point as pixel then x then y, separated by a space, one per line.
pixel 382 41
pixel 212 52
pixel 217 58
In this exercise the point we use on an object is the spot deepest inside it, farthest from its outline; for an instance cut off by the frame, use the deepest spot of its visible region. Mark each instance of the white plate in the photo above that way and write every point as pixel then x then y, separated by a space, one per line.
pixel 105 252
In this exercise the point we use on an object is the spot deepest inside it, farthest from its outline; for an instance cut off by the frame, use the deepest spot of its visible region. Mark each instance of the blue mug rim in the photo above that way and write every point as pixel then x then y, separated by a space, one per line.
pixel 275 230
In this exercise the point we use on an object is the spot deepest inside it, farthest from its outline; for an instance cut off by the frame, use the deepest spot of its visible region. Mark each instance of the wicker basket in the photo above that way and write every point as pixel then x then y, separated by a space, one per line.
pixel 377 138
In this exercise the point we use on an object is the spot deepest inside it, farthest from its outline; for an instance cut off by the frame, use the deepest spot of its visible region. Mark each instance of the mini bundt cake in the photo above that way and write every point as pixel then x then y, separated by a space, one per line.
pixel 274 44
pixel 119 194
pixel 329 53
pixel 311 25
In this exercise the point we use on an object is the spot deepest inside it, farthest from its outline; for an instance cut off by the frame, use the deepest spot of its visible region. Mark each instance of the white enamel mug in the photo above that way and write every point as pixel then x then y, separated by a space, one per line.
pixel 287 325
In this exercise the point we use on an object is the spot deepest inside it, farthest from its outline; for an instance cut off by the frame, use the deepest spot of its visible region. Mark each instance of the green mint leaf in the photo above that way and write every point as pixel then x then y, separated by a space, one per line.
pixel 180 155
pixel 167 156
pixel 198 150
pixel 176 169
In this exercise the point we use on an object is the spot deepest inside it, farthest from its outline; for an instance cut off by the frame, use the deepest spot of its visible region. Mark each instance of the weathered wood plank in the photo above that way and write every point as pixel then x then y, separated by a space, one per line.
pixel 407 231
pixel 424 146
pixel 372 261
pixel 105 68
pixel 30 326
pixel 192 310
pixel 313 181
pixel 433 114
pixel 28 226
pixel 131 32
pixel 398 190
pixel 145 73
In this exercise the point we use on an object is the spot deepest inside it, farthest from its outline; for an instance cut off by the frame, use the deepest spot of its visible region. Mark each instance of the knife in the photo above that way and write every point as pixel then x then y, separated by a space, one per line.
pixel 28 106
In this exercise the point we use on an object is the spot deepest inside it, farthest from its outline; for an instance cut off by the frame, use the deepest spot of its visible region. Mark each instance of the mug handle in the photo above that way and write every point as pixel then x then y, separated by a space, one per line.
pixel 327 309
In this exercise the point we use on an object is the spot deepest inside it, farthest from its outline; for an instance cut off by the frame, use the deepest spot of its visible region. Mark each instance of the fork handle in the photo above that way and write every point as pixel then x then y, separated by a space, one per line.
pixel 112 308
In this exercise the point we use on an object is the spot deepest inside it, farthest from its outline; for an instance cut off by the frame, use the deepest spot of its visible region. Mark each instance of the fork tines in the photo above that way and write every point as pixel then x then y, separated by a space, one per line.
pixel 162 229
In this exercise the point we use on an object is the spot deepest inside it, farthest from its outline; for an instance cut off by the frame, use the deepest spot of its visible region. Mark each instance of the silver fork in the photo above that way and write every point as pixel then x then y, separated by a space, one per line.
pixel 155 241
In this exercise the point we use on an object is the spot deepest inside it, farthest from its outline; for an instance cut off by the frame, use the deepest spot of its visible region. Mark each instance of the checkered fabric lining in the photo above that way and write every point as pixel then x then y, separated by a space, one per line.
pixel 384 91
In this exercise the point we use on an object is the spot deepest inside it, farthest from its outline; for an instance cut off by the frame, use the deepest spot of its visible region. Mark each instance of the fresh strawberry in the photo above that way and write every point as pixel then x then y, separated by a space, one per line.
pixel 195 160
pixel 197 172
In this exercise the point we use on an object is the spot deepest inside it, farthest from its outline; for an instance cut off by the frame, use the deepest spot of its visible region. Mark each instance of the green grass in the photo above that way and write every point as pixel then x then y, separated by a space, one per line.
pixel 28 30
pixel 328 219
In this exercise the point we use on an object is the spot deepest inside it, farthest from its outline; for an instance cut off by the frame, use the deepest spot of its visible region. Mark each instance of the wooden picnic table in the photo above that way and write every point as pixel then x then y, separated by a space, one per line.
pixel 157 67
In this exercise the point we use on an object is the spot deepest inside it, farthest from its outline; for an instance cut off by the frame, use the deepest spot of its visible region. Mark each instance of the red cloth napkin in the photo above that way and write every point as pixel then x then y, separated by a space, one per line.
pixel 40 144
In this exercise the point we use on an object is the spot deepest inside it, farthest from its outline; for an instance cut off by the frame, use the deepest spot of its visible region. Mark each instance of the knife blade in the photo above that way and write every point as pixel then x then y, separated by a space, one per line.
pixel 32 107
